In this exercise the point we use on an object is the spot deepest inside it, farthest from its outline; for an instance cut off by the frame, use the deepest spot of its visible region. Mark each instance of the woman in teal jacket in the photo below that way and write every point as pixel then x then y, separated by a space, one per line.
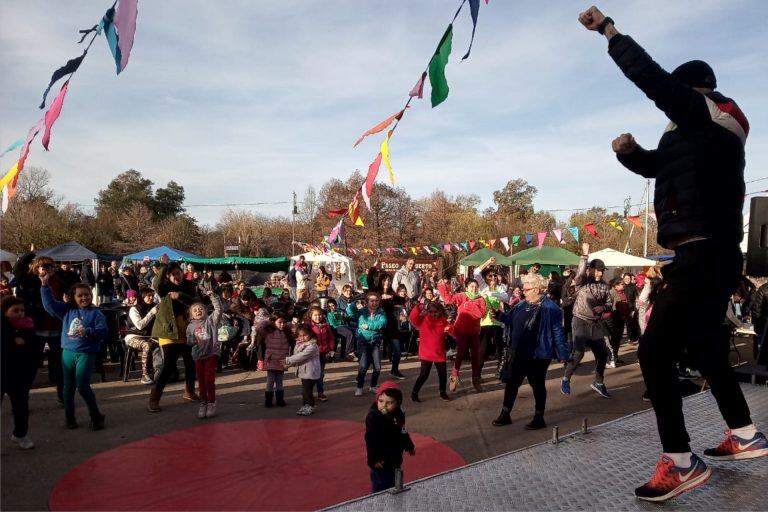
pixel 371 324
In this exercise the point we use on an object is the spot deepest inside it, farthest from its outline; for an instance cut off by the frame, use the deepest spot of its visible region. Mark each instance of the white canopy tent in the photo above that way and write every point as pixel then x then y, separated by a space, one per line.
pixel 615 259
pixel 341 268
pixel 7 256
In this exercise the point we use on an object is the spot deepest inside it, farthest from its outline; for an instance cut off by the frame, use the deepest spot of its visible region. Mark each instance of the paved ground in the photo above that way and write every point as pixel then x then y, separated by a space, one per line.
pixel 464 424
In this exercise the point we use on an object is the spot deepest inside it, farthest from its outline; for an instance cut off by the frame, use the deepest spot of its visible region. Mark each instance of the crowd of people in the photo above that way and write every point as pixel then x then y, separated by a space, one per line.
pixel 213 322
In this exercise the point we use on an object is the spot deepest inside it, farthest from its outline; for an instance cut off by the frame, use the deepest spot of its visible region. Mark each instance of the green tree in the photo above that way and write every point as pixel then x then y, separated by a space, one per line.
pixel 124 192
pixel 515 199
pixel 169 201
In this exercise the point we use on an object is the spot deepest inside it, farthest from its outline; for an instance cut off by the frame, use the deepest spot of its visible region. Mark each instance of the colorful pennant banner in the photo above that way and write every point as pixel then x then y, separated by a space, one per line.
pixel 119 26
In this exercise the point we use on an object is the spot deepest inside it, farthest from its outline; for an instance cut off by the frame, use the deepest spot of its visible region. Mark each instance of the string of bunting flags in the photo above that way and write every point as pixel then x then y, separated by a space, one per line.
pixel 435 70
pixel 118 24
pixel 507 242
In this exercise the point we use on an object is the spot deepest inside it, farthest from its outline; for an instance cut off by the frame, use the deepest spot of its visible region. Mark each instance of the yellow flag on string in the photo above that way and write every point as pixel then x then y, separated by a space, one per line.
pixel 615 225
pixel 385 157
pixel 9 175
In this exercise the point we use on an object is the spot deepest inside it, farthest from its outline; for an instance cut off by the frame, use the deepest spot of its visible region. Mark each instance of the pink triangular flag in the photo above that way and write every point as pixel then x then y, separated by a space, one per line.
pixel 125 23
pixel 542 236
pixel 505 242
pixel 53 114
pixel 367 188
pixel 559 235
pixel 418 89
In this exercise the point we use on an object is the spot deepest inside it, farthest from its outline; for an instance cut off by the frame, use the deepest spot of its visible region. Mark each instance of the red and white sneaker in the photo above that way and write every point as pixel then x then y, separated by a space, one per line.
pixel 734 447
pixel 669 480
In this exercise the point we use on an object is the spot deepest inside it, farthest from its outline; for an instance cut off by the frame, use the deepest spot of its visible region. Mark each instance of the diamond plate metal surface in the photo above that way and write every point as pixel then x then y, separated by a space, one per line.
pixel 596 471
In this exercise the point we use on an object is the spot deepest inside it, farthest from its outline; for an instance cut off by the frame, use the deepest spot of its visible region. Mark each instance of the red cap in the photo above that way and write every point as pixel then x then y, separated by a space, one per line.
pixel 384 386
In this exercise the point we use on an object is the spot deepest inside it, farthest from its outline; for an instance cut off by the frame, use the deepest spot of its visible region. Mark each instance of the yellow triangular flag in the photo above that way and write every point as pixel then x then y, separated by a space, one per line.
pixel 10 175
pixel 385 157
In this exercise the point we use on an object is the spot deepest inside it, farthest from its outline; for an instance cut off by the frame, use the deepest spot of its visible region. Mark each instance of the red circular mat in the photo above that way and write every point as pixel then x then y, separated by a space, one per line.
pixel 296 464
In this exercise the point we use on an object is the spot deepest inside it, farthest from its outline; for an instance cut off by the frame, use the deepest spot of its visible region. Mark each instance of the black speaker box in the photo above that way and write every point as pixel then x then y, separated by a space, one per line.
pixel 757 241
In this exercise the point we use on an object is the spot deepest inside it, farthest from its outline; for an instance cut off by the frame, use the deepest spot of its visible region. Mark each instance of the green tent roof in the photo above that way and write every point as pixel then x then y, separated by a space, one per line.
pixel 242 263
pixel 546 256
pixel 481 256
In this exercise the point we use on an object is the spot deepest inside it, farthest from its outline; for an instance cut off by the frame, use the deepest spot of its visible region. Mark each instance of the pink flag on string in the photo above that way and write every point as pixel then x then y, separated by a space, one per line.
pixel 447 247
pixel 418 89
pixel 53 113
pixel 457 246
pixel 125 23
pixel 27 143
pixel 373 171
pixel 505 242
pixel 559 235
pixel 542 235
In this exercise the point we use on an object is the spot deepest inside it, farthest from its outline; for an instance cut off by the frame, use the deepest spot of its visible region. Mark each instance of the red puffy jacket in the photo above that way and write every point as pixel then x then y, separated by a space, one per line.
pixel 469 311
pixel 326 341
pixel 431 335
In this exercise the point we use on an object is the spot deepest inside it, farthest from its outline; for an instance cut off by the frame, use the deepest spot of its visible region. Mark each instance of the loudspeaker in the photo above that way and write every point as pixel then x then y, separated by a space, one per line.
pixel 757 241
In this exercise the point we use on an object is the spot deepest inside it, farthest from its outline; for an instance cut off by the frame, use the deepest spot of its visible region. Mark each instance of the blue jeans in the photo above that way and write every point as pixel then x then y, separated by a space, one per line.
pixel 370 354
pixel 382 479
pixel 77 369
pixel 395 354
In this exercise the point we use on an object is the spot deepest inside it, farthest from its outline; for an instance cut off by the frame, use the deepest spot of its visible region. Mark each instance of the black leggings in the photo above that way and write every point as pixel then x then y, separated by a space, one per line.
pixel 171 353
pixel 426 368
pixel 536 371
pixel 490 341
pixel 307 385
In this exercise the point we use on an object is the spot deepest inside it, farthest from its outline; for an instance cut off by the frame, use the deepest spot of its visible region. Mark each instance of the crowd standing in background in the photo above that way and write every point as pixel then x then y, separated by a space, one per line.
pixel 299 321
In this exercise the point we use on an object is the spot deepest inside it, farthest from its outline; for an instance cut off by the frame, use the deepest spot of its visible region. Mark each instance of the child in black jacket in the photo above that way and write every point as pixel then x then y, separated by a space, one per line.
pixel 20 354
pixel 385 436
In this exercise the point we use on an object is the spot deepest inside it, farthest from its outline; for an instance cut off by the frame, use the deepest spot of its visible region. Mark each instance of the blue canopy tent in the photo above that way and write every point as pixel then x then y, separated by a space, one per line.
pixel 155 253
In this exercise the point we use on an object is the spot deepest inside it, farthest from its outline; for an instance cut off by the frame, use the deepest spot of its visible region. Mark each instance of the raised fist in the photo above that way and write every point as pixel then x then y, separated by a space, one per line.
pixel 624 144
pixel 591 18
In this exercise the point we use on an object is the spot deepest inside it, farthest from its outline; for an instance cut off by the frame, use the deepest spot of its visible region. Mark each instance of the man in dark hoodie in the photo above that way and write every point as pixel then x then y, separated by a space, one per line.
pixel 386 437
pixel 699 197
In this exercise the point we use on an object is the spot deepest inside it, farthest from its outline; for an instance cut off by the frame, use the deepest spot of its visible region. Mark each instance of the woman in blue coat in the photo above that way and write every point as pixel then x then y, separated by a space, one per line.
pixel 536 337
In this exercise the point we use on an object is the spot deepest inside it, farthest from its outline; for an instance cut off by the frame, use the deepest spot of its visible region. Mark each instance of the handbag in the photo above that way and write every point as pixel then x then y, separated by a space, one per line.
pixel 508 358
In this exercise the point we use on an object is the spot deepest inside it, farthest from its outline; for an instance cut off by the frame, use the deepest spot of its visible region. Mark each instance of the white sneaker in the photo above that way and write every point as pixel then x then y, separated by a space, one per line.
pixel 373 389
pixel 309 411
pixel 610 364
pixel 302 411
pixel 25 443
pixel 358 391
pixel 210 410
pixel 202 410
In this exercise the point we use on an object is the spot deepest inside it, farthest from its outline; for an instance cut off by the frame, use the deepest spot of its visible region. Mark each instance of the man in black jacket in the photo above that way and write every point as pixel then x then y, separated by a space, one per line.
pixel 699 197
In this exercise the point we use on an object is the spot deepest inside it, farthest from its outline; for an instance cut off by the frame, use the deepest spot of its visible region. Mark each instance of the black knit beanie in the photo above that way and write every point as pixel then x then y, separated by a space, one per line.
pixel 696 73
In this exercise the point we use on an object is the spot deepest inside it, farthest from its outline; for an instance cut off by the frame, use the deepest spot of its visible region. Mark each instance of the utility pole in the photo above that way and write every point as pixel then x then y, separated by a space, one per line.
pixel 627 207
pixel 293 225
pixel 647 207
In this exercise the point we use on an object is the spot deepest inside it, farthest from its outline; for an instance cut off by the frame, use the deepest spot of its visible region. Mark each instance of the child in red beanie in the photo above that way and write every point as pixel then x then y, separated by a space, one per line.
pixel 386 437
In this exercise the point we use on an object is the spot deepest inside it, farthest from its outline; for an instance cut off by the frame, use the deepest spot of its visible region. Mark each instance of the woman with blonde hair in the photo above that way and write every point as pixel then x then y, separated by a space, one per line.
pixel 536 337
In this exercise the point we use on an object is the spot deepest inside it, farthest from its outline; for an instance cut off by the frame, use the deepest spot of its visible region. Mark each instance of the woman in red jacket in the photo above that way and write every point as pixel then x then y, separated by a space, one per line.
pixel 471 308
pixel 432 326
pixel 326 342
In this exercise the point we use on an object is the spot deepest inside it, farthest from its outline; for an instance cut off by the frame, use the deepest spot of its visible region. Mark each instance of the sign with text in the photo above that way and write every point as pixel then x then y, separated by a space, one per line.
pixel 393 264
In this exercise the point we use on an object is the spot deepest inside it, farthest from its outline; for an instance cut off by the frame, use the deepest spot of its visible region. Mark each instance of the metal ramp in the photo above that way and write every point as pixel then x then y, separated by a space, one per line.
pixel 594 471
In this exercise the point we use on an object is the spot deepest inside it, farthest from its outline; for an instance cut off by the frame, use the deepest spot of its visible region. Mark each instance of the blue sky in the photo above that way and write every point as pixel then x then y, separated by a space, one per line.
pixel 244 102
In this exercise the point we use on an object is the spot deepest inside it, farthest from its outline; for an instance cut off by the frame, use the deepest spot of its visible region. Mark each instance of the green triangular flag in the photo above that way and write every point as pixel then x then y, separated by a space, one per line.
pixel 437 68
pixel 515 240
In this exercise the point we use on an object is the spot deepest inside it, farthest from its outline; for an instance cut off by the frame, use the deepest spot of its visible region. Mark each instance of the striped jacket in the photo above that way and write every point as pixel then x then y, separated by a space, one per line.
pixel 699 162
